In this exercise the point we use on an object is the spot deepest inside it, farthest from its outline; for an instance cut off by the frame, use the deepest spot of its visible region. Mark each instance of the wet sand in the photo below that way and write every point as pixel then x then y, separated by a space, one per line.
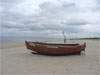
pixel 17 60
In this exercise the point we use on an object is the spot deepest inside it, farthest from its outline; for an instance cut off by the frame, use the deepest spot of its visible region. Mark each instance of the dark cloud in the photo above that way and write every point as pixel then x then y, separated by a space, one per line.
pixel 77 22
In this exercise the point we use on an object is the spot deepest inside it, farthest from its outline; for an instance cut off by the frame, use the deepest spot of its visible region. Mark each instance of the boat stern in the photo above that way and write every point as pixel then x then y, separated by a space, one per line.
pixel 83 46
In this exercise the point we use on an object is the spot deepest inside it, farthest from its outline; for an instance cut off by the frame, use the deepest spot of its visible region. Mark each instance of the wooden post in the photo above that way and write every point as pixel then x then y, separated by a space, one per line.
pixel 64 36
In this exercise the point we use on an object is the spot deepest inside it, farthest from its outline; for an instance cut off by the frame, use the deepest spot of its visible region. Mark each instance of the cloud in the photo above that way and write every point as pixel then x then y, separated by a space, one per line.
pixel 49 17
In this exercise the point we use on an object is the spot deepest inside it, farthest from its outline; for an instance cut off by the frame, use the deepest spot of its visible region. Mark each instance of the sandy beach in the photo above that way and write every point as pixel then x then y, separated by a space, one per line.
pixel 17 60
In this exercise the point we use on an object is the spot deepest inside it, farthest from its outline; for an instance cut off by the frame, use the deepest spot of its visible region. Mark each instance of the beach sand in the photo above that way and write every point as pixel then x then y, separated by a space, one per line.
pixel 17 60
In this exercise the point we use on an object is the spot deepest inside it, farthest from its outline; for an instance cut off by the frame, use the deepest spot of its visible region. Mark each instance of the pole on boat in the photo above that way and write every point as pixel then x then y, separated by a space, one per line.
pixel 69 35
pixel 64 36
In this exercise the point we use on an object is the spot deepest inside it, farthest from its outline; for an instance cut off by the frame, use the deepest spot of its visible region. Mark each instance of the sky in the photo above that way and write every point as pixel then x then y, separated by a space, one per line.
pixel 49 18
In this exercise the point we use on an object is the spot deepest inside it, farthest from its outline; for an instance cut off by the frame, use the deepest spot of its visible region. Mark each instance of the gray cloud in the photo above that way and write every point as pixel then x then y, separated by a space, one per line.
pixel 75 22
pixel 98 5
pixel 50 20
pixel 98 1
pixel 8 3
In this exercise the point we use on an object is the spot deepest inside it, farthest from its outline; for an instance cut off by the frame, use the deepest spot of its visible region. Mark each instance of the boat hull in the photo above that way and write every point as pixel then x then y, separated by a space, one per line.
pixel 55 49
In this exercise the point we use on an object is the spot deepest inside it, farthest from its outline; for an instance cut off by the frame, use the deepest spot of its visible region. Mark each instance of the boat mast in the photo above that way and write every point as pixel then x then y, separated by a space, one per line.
pixel 69 35
pixel 64 36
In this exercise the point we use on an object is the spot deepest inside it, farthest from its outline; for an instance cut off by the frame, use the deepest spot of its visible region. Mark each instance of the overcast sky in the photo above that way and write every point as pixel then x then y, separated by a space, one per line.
pixel 48 18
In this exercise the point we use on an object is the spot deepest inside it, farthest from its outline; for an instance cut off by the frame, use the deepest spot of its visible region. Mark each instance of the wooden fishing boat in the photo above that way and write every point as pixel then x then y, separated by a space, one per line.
pixel 55 48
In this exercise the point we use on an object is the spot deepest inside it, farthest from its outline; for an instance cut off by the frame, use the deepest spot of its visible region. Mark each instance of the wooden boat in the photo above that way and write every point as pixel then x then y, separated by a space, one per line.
pixel 54 48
